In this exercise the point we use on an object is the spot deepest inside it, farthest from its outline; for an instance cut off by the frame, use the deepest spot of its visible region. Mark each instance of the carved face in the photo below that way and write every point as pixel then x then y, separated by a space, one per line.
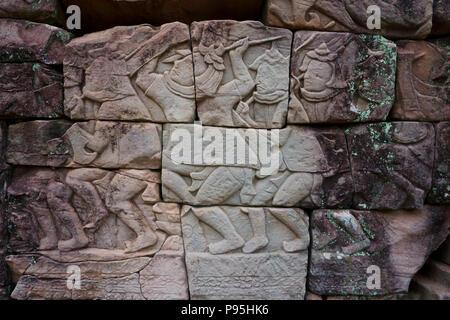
pixel 317 75
pixel 179 71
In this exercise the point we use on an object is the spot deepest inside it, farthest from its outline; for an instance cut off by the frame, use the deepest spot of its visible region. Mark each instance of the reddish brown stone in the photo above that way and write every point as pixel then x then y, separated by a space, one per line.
pixel 30 90
pixel 104 14
pixel 441 17
pixel 25 41
pixel 397 243
pixel 423 85
pixel 399 19
pixel 391 163
pixel 440 189
pixel 47 11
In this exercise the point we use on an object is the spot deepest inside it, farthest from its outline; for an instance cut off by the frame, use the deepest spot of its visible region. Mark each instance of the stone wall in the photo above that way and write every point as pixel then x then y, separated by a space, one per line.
pixel 98 184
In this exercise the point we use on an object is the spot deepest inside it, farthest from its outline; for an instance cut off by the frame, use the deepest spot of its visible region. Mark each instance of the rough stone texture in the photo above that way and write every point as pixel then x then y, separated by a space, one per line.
pixel 440 190
pixel 104 14
pixel 48 11
pixel 310 169
pixel 392 164
pixel 131 73
pixel 341 77
pixel 432 282
pixel 108 223
pixel 102 144
pixel 399 19
pixel 4 173
pixel 347 242
pixel 238 253
pixel 441 17
pixel 423 85
pixel 30 90
pixel 241 73
pixel 25 41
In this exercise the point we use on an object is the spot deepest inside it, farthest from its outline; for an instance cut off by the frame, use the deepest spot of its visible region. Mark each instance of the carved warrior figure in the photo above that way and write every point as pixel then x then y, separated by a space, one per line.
pixel 244 101
pixel 217 219
pixel 104 192
pixel 124 85
pixel 301 170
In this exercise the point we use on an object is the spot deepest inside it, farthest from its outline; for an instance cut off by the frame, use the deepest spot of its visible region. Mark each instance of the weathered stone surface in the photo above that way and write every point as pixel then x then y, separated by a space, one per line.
pixel 309 169
pixel 423 85
pixel 131 73
pixel 440 190
pixel 30 90
pixel 48 11
pixel 4 175
pixel 104 14
pixel 107 223
pixel 347 242
pixel 399 19
pixel 391 163
pixel 102 144
pixel 245 253
pixel 432 282
pixel 341 77
pixel 241 73
pixel 25 41
pixel 441 17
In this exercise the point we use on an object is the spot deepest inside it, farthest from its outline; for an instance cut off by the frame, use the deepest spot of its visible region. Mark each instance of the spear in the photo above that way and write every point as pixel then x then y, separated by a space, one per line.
pixel 251 43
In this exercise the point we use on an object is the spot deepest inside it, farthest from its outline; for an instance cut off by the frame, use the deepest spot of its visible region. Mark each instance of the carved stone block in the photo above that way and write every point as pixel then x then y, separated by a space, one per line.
pixel 108 223
pixel 392 164
pixel 307 167
pixel 399 19
pixel 372 253
pixel 341 77
pixel 30 90
pixel 101 144
pixel 25 41
pixel 423 85
pixel 48 11
pixel 440 189
pixel 131 73
pixel 241 73
pixel 441 17
pixel 245 253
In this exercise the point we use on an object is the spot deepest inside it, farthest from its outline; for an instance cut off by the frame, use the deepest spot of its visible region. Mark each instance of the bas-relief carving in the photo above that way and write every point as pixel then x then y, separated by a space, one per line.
pixel 399 19
pixel 423 85
pixel 245 252
pixel 309 160
pixel 92 213
pixel 392 164
pixel 341 77
pixel 101 144
pixel 131 73
pixel 241 73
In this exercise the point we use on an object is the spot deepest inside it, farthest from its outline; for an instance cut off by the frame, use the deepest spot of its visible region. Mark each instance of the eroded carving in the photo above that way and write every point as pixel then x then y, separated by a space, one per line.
pixel 307 160
pixel 341 77
pixel 240 73
pixel 131 73
pixel 227 245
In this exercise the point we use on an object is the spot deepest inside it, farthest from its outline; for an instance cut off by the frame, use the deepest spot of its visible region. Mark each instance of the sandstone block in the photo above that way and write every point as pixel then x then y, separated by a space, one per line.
pixel 399 19
pixel 392 164
pixel 350 247
pixel 440 190
pixel 341 77
pixel 423 85
pixel 307 167
pixel 102 144
pixel 30 91
pixel 48 11
pixel 241 73
pixel 245 252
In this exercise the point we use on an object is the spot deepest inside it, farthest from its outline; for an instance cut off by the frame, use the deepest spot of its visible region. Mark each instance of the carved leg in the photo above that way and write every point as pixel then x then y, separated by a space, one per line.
pixel 218 220
pixel 353 227
pixel 295 223
pixel 294 189
pixel 176 184
pixel 119 201
pixel 45 221
pixel 129 108
pixel 58 198
pixel 258 221
pixel 80 180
